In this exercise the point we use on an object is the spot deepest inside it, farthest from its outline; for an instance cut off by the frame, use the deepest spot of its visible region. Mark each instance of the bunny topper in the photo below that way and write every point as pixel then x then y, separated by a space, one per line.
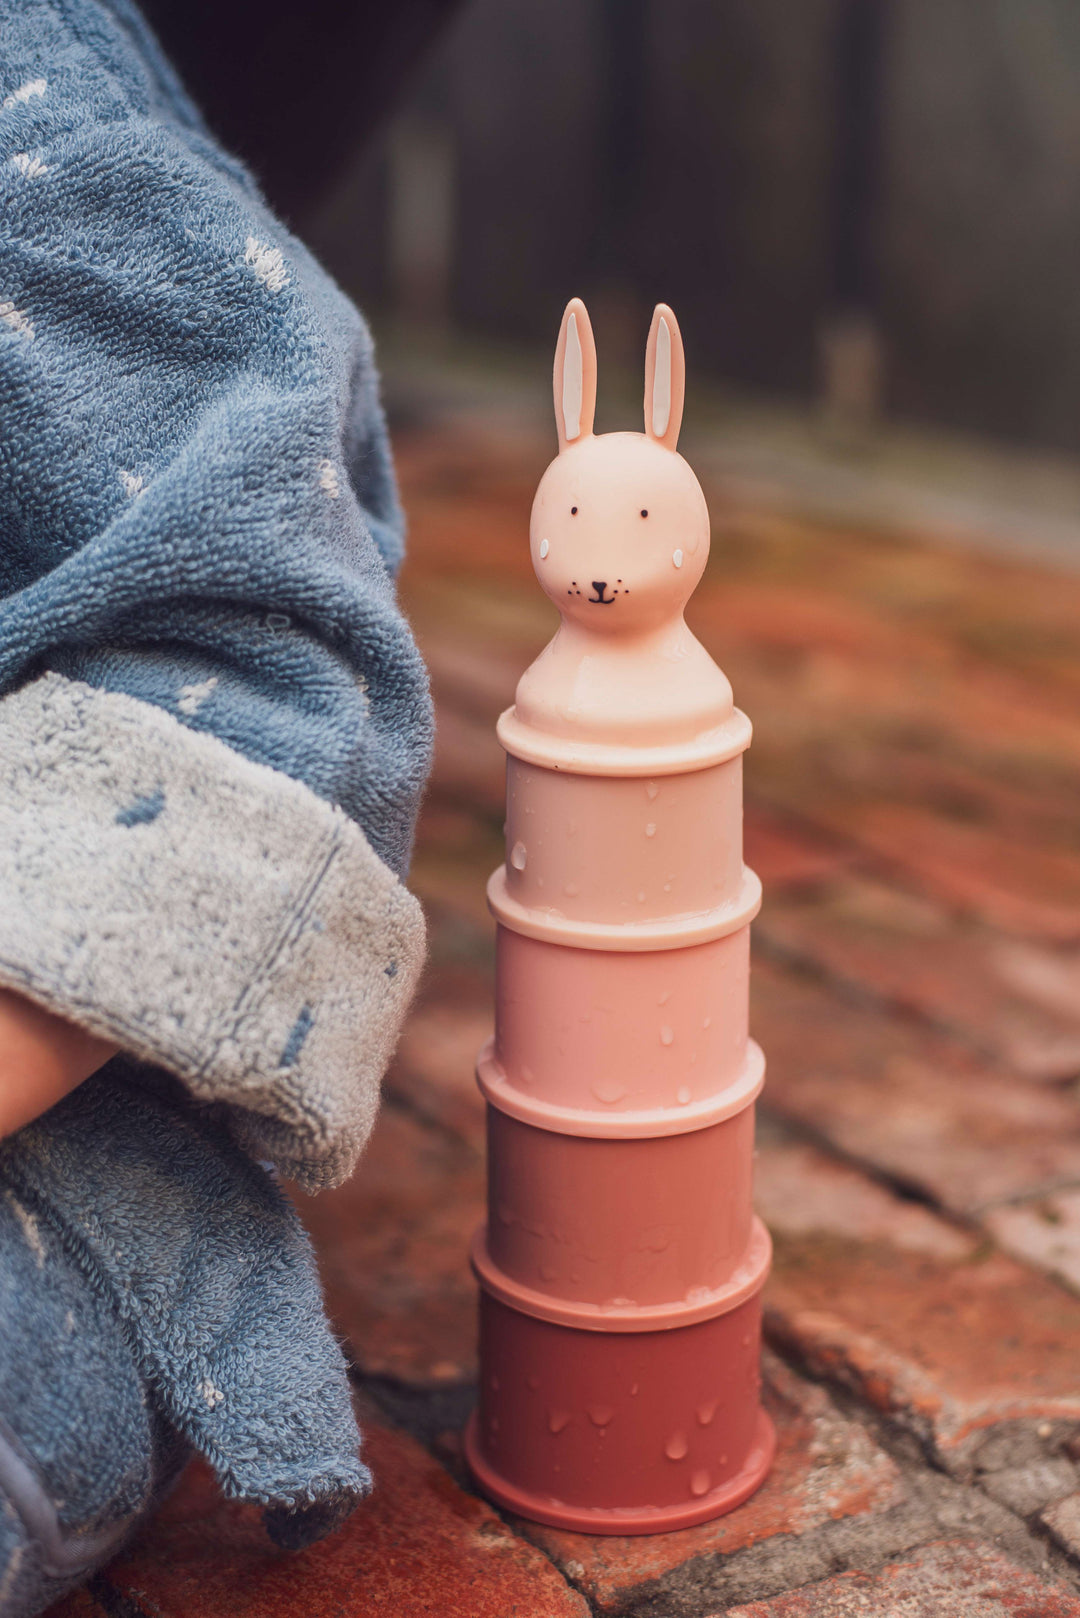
pixel 619 538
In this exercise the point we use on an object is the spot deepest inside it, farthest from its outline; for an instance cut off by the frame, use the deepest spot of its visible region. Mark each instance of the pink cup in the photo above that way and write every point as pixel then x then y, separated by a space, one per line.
pixel 621 1433
pixel 620 1033
pixel 624 1223
pixel 613 849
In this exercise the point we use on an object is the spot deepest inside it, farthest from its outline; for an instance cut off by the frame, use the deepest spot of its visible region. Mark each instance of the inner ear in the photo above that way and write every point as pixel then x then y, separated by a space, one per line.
pixel 574 375
pixel 572 381
pixel 665 378
pixel 661 391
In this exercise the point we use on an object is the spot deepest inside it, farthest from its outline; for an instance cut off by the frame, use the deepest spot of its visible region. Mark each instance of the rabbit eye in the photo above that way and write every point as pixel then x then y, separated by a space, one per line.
pixel 573 511
pixel 644 513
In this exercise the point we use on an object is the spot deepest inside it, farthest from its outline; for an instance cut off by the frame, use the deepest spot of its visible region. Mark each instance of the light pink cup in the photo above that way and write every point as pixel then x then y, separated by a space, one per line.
pixel 617 1033
pixel 615 849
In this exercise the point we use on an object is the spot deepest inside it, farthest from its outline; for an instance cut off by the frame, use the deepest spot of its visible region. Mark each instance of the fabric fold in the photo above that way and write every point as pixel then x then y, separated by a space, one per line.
pixel 209 914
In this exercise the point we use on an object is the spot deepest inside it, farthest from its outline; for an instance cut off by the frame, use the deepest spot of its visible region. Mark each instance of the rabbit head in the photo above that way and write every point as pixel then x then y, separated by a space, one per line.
pixel 620 530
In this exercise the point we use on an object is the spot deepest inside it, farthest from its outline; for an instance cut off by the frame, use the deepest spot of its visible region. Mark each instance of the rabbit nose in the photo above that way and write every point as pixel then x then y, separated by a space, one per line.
pixel 599 585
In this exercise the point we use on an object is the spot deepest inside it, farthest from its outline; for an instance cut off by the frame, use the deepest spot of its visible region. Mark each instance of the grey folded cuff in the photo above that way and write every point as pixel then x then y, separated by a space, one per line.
pixel 206 913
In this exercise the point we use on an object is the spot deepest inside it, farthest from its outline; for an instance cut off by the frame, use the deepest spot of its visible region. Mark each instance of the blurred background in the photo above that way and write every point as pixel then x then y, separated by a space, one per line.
pixel 866 214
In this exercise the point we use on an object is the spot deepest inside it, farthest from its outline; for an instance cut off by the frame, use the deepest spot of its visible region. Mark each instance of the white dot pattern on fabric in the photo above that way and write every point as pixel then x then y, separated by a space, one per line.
pixel 29 1229
pixel 31 168
pixel 16 320
pixel 132 483
pixel 329 482
pixel 267 263
pixel 25 92
pixel 192 697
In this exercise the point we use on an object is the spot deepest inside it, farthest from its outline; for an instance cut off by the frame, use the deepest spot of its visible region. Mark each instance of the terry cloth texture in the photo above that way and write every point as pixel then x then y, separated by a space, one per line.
pixel 84 1453
pixel 156 1292
pixel 207 914
pixel 198 521
pixel 214 730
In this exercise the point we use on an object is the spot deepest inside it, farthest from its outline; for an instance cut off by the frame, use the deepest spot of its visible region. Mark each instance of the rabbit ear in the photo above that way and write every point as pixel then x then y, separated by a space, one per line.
pixel 575 375
pixel 665 378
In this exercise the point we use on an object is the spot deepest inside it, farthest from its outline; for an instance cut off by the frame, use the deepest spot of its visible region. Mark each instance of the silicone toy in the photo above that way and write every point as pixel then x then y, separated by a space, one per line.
pixel 621 1266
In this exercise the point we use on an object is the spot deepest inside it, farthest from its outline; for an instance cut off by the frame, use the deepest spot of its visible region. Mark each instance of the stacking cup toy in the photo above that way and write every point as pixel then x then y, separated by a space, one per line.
pixel 621 1265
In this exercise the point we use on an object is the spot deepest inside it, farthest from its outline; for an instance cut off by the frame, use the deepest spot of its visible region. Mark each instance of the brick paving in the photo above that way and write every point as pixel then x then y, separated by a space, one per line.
pixel 958 1579
pixel 911 807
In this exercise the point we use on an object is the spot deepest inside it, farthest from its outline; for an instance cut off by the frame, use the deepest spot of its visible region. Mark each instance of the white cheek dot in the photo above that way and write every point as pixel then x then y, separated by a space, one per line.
pixel 544 548
pixel 677 558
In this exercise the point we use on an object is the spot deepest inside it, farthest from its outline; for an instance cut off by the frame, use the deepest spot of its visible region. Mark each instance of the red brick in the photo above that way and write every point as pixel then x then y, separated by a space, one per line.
pixel 907 1100
pixel 826 1467
pixel 418 1546
pixel 393 1252
pixel 932 1327
pixel 79 1604
pixel 1021 887
pixel 435 1067
pixel 787 854
pixel 947 1579
pixel 1045 1232
pixel 916 956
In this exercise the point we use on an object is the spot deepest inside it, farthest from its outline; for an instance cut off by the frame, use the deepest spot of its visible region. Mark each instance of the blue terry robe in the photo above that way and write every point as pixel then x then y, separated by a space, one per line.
pixel 214 730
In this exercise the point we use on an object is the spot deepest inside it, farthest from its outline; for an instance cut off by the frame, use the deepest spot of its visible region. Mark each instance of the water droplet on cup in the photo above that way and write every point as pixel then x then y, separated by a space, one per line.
pixel 570 890
pixel 676 558
pixel 609 1091
pixel 548 1272
pixel 544 548
pixel 650 829
pixel 707 1023
pixel 600 1415
pixel 651 790
pixel 699 1483
pixel 684 1095
pixel 664 998
pixel 676 1447
pixel 519 855
pixel 706 1412
pixel 667 1036
pixel 557 1420
pixel 641 896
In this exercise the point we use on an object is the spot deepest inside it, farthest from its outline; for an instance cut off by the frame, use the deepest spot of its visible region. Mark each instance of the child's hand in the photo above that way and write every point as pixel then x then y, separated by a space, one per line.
pixel 42 1057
